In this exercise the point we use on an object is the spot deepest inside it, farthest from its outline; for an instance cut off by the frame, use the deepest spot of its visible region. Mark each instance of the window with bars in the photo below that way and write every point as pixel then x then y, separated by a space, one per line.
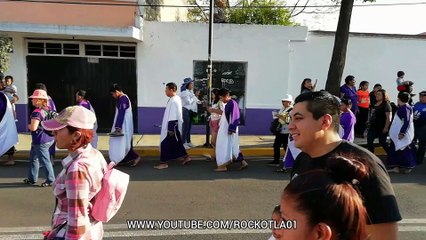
pixel 90 49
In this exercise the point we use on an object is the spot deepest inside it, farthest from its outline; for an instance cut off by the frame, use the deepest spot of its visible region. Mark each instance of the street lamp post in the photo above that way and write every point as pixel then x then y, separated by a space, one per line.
pixel 209 69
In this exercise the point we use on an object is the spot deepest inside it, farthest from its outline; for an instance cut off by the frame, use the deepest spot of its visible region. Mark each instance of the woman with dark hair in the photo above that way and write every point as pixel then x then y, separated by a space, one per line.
pixel 363 108
pixel 348 91
pixel 216 112
pixel 80 179
pixel 401 133
pixel 381 115
pixel 325 203
pixel 81 99
pixel 307 86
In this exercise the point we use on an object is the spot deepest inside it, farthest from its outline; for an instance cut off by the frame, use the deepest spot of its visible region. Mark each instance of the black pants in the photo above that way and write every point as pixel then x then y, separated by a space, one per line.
pixel 361 119
pixel 373 134
pixel 280 140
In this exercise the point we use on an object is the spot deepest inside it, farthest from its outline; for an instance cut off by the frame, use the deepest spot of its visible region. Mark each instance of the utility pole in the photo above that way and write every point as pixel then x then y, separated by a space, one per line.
pixel 209 69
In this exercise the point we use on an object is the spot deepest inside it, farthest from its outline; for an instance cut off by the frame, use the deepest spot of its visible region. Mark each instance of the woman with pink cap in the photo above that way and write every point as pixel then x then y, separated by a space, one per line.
pixel 80 179
pixel 41 141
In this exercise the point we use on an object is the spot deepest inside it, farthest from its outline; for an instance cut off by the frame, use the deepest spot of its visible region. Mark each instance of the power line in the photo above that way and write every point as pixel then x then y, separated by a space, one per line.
pixel 133 4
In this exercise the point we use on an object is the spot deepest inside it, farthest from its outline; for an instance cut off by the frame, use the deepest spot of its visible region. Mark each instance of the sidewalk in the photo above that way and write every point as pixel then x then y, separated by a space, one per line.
pixel 148 146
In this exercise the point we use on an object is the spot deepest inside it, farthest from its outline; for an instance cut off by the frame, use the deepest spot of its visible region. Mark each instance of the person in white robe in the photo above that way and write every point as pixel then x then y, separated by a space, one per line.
pixel 227 145
pixel 171 144
pixel 121 137
pixel 8 132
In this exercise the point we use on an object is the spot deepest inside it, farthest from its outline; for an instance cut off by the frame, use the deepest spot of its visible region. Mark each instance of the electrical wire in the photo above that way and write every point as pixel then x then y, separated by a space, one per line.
pixel 133 4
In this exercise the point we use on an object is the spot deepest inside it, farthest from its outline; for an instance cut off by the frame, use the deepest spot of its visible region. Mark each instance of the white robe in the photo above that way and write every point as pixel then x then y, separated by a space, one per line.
pixel 227 146
pixel 95 129
pixel 401 144
pixel 173 112
pixel 120 146
pixel 8 132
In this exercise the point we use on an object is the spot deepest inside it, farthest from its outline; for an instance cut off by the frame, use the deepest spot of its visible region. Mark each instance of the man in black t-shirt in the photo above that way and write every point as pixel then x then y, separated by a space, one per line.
pixel 314 128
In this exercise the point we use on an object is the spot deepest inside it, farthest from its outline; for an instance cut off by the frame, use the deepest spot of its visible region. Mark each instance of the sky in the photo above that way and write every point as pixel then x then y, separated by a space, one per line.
pixel 408 19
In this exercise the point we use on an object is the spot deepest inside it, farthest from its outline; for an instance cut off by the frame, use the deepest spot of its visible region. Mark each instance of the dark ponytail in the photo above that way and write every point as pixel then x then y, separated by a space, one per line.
pixel 329 196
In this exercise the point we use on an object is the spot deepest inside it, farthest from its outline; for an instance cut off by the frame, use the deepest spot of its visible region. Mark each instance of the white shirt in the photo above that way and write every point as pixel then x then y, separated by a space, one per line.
pixel 189 100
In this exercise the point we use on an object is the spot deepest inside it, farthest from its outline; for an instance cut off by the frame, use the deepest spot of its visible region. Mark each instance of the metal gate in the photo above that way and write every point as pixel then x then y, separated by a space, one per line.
pixel 63 76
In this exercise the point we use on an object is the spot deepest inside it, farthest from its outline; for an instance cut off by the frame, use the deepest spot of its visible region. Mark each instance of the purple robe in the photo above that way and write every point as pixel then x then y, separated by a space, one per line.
pixel 122 104
pixel 347 121
pixel 350 93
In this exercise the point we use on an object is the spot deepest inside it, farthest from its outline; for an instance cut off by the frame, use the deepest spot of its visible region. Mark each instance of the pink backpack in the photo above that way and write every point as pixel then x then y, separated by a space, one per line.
pixel 109 199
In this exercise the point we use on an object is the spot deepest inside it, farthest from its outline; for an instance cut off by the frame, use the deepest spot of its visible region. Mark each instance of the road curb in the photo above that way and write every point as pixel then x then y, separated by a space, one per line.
pixel 198 151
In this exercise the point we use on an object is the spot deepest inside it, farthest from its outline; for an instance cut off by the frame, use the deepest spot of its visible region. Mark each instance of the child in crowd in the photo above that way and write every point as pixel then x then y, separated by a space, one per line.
pixel 11 92
pixel 347 120
pixel 276 217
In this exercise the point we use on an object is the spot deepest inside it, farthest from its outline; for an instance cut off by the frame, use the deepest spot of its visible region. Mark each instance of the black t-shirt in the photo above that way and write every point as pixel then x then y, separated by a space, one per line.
pixel 378 118
pixel 376 189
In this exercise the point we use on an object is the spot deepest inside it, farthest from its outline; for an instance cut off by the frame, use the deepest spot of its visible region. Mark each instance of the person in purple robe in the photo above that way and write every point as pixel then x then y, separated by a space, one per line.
pixel 348 91
pixel 80 97
pixel 347 119
pixel 227 146
pixel 121 137
pixel 402 159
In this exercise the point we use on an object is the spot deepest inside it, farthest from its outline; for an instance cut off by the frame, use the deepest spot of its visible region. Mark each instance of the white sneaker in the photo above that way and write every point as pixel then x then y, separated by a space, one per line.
pixel 185 145
pixel 190 145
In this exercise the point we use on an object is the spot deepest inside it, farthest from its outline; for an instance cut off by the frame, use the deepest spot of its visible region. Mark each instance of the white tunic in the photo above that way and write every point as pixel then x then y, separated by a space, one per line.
pixel 120 146
pixel 8 132
pixel 227 146
pixel 173 112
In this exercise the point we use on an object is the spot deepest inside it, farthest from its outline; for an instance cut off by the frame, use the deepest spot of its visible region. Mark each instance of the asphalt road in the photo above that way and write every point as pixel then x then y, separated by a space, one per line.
pixel 187 192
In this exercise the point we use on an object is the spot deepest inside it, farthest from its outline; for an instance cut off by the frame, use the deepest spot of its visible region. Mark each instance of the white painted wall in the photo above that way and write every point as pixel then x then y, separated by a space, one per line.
pixel 373 58
pixel 18 66
pixel 169 49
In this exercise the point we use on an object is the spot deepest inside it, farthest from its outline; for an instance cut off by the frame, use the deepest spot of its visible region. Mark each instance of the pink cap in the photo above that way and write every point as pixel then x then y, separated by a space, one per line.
pixel 74 116
pixel 39 93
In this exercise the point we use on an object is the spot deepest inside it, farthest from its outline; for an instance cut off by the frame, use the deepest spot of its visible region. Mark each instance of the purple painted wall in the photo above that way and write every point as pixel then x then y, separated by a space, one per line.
pixel 257 121
pixel 22 114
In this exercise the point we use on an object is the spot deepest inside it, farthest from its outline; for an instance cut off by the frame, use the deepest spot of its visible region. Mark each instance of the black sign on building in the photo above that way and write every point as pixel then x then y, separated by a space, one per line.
pixel 229 75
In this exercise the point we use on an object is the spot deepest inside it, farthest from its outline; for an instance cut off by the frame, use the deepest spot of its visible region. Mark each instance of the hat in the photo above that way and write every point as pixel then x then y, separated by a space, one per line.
pixel 74 116
pixel 287 98
pixel 422 93
pixel 39 93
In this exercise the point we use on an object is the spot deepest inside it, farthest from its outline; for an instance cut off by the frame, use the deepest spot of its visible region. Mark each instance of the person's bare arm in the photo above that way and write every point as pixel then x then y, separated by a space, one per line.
pixel 388 231
pixel 388 122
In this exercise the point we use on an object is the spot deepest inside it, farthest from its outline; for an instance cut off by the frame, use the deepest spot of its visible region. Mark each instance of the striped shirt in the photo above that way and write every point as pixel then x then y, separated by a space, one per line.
pixel 74 188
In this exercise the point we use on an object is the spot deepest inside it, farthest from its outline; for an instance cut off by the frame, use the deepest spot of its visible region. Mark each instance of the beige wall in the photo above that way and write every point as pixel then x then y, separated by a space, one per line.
pixel 68 14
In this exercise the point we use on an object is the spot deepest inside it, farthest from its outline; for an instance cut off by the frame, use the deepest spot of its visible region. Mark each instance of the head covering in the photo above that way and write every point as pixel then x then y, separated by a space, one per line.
pixel 185 83
pixel 422 93
pixel 74 116
pixel 287 98
pixel 39 93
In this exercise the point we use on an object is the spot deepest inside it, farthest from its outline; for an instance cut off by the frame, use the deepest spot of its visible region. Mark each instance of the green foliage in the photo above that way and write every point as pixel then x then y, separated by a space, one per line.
pixel 197 14
pixel 5 49
pixel 263 12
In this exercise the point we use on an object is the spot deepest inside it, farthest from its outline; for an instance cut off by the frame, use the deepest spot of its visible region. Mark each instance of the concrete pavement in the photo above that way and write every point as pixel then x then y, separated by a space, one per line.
pixel 148 146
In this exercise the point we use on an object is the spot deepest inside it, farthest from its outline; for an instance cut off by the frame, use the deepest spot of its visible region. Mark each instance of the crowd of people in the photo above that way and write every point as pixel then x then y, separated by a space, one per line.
pixel 338 190
pixel 370 115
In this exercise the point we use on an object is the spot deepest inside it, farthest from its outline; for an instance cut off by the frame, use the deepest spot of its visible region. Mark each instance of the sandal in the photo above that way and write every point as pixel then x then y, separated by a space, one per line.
pixel 46 184
pixel 135 162
pixel 27 181
pixel 186 160
pixel 161 166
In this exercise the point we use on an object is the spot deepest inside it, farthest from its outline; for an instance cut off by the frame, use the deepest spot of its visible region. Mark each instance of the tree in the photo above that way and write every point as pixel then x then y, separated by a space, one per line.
pixel 271 12
pixel 264 12
pixel 5 49
pixel 338 59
